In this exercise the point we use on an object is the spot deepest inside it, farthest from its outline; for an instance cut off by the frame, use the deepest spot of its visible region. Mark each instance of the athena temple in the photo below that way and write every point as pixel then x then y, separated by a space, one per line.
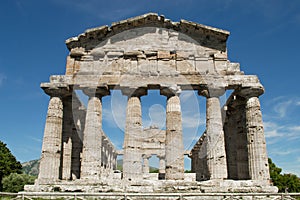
pixel 150 52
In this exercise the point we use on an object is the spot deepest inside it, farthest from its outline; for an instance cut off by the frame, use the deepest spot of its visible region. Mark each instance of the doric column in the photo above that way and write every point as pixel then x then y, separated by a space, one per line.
pixel 114 159
pixel 132 158
pixel 174 150
pixel 92 138
pixel 67 139
pixel 215 145
pixel 109 156
pixel 194 158
pixel 50 165
pixel 79 114
pixel 146 164
pixel 104 152
pixel 162 164
pixel 257 152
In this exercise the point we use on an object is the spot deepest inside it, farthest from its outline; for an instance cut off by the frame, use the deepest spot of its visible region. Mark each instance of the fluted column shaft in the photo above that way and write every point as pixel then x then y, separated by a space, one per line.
pixel 215 144
pixel 132 159
pixel 257 153
pixel 51 149
pixel 162 164
pixel 174 144
pixel 146 164
pixel 79 114
pixel 92 138
pixel 67 139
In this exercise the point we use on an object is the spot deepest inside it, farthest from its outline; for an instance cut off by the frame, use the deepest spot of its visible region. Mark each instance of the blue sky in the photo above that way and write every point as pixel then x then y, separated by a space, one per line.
pixel 264 40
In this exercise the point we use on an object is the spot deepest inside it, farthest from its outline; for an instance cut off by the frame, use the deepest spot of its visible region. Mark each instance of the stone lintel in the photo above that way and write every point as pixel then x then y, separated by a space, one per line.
pixel 194 81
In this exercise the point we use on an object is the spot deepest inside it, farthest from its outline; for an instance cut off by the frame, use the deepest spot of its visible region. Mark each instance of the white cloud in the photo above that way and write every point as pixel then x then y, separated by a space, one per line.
pixel 283 152
pixel 272 130
pixel 39 140
pixel 282 132
pixel 282 107
pixel 288 131
pixel 294 128
pixel 272 134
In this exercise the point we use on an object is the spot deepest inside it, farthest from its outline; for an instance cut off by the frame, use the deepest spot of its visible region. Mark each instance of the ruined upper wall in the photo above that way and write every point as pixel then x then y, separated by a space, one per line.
pixel 152 52
pixel 204 35
pixel 150 45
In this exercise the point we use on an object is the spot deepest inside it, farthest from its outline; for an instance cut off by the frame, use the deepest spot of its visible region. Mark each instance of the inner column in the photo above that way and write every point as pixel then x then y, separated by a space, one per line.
pixel 215 144
pixel 132 158
pixel 67 143
pixel 162 167
pixel 92 138
pixel 146 164
pixel 174 150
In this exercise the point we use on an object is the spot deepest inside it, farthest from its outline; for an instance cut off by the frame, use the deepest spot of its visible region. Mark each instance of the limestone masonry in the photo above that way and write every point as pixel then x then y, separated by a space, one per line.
pixel 140 54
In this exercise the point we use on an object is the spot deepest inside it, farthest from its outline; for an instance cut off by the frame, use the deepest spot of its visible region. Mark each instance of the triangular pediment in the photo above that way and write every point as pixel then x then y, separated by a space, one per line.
pixel 204 35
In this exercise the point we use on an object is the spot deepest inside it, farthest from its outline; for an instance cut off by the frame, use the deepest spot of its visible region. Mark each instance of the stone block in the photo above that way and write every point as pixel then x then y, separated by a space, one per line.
pixel 204 65
pixel 163 55
pixel 185 66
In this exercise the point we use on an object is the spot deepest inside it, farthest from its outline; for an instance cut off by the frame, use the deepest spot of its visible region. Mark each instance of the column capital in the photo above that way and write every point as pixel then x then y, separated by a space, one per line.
pixel 146 156
pixel 134 91
pixel 96 91
pixel 57 90
pixel 249 92
pixel 169 91
pixel 161 156
pixel 212 92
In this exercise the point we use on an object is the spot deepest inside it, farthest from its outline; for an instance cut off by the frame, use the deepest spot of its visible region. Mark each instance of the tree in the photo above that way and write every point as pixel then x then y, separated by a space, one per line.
pixel 289 182
pixel 8 163
pixel 15 182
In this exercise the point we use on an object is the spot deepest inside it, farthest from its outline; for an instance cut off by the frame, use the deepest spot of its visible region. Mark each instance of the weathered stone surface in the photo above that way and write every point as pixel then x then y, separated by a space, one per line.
pixel 258 160
pixel 50 159
pixel 214 140
pixel 67 141
pixel 132 159
pixel 208 36
pixel 92 140
pixel 174 142
pixel 234 130
pixel 139 54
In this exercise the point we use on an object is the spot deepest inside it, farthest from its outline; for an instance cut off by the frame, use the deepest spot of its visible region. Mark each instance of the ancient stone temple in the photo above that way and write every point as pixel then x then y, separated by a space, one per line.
pixel 136 55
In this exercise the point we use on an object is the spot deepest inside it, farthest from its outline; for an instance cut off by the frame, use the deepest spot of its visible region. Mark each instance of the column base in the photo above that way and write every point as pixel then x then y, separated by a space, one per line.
pixel 116 184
